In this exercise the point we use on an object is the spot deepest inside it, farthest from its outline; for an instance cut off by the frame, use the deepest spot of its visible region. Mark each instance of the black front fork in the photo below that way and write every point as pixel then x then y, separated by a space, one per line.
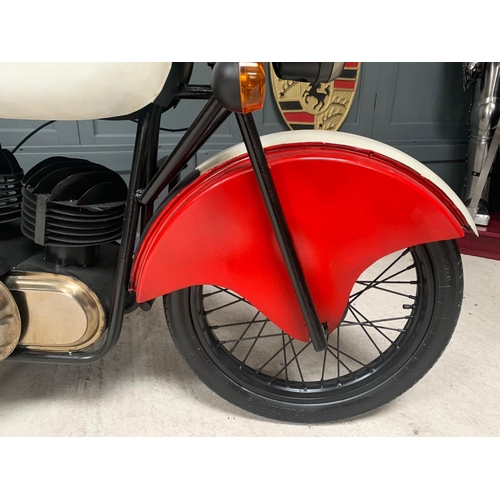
pixel 317 331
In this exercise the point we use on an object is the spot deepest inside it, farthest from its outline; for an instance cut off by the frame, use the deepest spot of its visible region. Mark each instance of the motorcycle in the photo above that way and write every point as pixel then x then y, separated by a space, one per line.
pixel 306 276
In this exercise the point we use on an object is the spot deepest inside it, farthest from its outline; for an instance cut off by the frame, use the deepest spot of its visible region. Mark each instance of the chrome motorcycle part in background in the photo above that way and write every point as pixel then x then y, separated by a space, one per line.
pixel 484 118
pixel 10 322
pixel 80 318
pixel 71 207
pixel 483 176
pixel 11 175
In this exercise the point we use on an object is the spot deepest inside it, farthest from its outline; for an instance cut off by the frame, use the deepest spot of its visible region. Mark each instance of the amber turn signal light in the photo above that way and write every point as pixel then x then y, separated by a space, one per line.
pixel 252 86
pixel 239 87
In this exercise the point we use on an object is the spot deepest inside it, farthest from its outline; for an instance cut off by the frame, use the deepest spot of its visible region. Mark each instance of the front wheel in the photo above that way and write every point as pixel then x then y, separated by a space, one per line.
pixel 400 316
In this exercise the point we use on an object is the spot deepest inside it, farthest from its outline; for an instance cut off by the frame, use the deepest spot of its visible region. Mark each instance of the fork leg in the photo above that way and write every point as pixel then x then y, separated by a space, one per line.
pixel 317 331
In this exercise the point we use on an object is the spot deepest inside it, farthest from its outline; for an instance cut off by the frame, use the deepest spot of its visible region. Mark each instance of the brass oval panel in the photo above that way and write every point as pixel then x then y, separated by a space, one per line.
pixel 58 312
pixel 10 323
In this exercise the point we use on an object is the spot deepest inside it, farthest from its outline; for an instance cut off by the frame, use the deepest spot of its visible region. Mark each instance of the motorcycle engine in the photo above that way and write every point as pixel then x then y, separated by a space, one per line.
pixel 58 225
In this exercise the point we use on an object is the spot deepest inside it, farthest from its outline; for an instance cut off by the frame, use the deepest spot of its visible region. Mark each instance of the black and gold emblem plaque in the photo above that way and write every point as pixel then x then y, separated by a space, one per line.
pixel 322 106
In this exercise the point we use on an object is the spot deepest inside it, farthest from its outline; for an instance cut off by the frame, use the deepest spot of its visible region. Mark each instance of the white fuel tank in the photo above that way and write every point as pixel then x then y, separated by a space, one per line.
pixel 78 91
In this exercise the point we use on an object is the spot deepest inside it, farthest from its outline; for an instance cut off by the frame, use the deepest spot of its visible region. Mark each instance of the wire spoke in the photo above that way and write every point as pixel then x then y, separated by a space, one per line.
pixel 298 364
pixel 394 292
pixel 273 356
pixel 323 370
pixel 205 295
pixel 255 341
pixel 364 323
pixel 388 282
pixel 223 306
pixel 284 356
pixel 364 329
pixel 289 362
pixel 215 327
pixel 375 326
pixel 350 357
pixel 338 355
pixel 236 296
pixel 373 283
pixel 367 321
pixel 245 331
pixel 337 358
pixel 392 264
pixel 250 338
pixel 376 281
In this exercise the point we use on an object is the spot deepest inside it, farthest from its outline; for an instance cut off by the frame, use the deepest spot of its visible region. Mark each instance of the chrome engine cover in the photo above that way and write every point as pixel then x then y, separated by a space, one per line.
pixel 10 322
pixel 57 312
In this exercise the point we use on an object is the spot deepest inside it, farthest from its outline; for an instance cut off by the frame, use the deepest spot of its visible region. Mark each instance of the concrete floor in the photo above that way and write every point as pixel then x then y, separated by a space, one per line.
pixel 143 388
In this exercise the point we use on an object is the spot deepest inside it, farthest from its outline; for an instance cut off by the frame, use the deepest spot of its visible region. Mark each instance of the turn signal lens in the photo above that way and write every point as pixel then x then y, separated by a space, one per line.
pixel 252 86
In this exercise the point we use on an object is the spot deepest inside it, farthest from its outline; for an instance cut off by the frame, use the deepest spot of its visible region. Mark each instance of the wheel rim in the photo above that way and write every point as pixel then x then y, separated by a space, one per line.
pixel 386 320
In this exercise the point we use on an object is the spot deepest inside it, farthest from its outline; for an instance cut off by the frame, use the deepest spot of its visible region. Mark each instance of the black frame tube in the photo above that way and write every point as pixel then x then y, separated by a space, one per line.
pixel 204 125
pixel 150 167
pixel 194 92
pixel 257 156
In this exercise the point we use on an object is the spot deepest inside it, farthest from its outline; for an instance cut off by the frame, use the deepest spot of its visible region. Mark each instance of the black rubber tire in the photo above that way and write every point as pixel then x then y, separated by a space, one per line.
pixel 443 269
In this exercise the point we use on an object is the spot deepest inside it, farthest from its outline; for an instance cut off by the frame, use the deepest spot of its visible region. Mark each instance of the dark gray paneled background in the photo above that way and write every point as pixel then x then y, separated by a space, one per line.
pixel 419 108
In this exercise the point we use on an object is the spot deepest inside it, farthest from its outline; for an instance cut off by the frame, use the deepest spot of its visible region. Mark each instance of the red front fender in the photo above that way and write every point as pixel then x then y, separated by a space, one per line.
pixel 345 207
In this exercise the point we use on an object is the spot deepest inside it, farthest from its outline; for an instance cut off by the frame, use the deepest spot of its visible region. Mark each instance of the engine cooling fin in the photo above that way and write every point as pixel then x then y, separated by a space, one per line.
pixel 70 202
pixel 11 176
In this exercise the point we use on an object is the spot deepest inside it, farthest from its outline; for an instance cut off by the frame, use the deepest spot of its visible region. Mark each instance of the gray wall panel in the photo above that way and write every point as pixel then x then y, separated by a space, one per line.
pixel 419 108
pixel 422 102
pixel 57 134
